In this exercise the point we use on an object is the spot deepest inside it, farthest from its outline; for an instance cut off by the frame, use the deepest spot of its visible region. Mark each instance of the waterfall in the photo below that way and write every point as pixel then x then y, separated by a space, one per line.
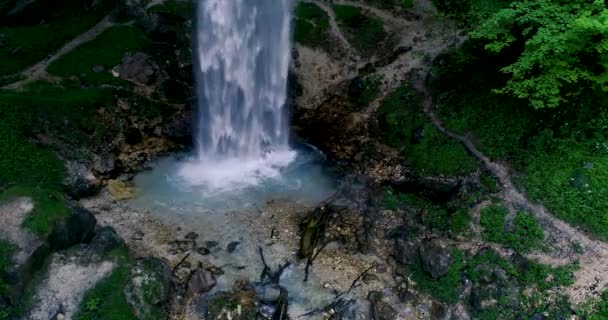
pixel 244 50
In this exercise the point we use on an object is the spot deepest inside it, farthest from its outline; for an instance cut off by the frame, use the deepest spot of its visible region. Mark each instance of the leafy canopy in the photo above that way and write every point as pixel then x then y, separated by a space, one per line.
pixel 565 48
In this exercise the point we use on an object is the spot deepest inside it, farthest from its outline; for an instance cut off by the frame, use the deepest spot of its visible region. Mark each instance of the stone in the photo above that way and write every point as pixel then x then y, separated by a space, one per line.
pixel 203 251
pixel 211 244
pixel 105 240
pixel 138 68
pixel 104 164
pixel 179 246
pixel 191 236
pixel 232 246
pixel 148 287
pixel 268 293
pixel 439 311
pixel 201 281
pixel 436 259
pixel 78 227
pixel 121 190
pixel 406 253
pixel 379 309
pixel 80 181
pixel 98 68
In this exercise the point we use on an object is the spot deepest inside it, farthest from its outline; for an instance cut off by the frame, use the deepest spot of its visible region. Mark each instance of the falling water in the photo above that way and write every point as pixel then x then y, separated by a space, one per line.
pixel 243 51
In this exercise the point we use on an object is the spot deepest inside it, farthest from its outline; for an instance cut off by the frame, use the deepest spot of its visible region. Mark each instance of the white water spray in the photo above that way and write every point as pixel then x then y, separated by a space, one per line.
pixel 243 51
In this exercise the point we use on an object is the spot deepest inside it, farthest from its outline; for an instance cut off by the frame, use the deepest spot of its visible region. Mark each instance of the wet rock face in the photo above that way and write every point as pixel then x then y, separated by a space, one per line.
pixel 149 287
pixel 436 259
pixel 79 227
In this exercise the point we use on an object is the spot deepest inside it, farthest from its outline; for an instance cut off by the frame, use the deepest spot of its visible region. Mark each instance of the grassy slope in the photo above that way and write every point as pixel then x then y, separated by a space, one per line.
pixel 561 154
pixel 31 42
pixel 311 26
pixel 366 33
pixel 107 50
pixel 33 170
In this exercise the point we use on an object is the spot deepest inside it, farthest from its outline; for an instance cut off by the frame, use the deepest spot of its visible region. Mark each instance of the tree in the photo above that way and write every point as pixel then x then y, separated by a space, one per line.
pixel 565 48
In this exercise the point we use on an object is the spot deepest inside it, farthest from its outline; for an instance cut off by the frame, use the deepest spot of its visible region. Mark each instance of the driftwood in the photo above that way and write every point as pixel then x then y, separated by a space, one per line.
pixel 270 277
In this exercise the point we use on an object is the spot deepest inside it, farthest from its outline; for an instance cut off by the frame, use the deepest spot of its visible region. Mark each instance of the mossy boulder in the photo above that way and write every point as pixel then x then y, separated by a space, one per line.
pixel 148 287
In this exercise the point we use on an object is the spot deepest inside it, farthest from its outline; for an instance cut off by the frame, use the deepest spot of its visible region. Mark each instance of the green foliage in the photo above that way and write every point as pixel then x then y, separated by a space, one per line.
pixel 525 235
pixel 595 309
pixel 437 217
pixel 177 8
pixel 50 206
pixel 30 170
pixel 371 90
pixel 404 126
pixel 365 33
pixel 446 288
pixel 559 152
pixel 392 4
pixel 564 53
pixel 515 278
pixel 107 50
pixel 106 301
pixel 32 41
pixel 492 220
pixel 312 26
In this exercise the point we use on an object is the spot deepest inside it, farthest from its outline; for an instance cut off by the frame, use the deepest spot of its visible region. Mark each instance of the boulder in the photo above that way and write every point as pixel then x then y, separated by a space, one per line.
pixel 80 182
pixel 104 164
pixel 380 309
pixel 121 190
pixel 136 67
pixel 105 240
pixel 78 227
pixel 201 281
pixel 436 259
pixel 148 287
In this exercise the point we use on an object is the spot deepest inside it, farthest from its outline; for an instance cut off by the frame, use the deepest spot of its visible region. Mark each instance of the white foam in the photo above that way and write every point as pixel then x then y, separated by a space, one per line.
pixel 221 175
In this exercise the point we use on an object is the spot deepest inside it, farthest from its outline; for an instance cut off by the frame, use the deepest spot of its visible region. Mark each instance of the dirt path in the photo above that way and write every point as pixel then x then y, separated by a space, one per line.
pixel 38 71
pixel 592 276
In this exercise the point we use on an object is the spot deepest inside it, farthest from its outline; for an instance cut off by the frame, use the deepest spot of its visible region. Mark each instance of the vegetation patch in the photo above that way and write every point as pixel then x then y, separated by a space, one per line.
pixel 392 4
pixel 559 153
pixel 106 301
pixel 437 217
pixel 312 26
pixel 404 126
pixel 446 288
pixel 33 40
pixel 365 90
pixel 28 169
pixel 524 235
pixel 183 9
pixel 366 33
pixel 101 53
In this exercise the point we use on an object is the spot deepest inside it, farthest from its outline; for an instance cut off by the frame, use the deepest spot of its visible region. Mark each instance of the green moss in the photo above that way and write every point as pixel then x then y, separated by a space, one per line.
pixel 49 207
pixel 106 301
pixel 446 288
pixel 492 220
pixel 312 26
pixel 107 50
pixel 178 8
pixel 365 32
pixel 27 169
pixel 404 126
pixel 595 309
pixel 371 90
pixel 32 41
